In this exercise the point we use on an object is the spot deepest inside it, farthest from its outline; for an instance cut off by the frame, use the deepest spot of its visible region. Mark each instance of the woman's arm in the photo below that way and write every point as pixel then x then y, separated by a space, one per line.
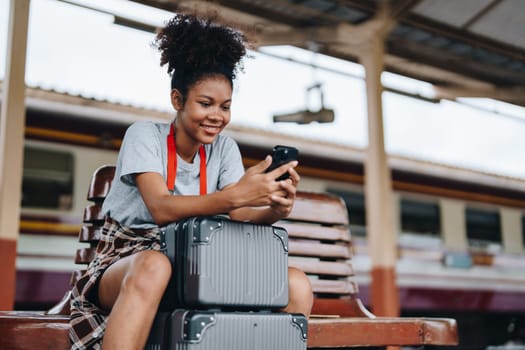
pixel 254 189
pixel 256 215
pixel 281 207
pixel 165 207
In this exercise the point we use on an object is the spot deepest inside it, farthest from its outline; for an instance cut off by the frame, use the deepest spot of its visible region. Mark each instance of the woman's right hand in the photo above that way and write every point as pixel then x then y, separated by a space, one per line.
pixel 258 188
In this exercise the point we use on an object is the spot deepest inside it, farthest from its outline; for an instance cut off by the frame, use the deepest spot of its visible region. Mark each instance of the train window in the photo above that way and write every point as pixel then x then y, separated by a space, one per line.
pixel 355 204
pixel 483 227
pixel 420 217
pixel 47 179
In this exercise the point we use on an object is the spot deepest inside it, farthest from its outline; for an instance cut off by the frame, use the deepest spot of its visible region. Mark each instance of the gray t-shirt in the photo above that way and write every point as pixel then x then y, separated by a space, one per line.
pixel 144 149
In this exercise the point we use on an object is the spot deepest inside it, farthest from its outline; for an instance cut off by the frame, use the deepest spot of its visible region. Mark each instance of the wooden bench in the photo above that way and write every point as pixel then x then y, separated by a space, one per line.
pixel 320 245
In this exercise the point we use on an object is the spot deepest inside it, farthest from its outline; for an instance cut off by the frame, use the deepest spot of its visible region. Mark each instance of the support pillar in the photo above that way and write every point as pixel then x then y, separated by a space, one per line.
pixel 12 124
pixel 381 230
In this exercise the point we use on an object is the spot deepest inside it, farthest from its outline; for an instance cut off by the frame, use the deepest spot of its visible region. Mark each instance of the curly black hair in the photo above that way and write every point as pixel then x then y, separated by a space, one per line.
pixel 194 47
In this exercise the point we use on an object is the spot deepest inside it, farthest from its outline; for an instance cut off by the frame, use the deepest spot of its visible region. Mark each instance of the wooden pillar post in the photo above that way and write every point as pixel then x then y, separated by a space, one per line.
pixel 12 124
pixel 381 231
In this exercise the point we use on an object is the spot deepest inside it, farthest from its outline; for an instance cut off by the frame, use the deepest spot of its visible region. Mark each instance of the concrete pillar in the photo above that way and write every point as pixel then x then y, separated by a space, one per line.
pixel 12 124
pixel 396 210
pixel 381 226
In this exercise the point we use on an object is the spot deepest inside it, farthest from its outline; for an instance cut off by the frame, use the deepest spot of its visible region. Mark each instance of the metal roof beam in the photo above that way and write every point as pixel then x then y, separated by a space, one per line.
pixel 339 35
pixel 516 94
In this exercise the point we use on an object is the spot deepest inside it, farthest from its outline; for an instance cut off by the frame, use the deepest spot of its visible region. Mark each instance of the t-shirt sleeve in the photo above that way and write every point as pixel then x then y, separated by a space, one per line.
pixel 232 168
pixel 140 151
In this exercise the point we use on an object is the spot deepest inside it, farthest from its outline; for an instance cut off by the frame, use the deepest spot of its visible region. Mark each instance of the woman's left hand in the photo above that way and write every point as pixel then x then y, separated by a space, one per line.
pixel 282 203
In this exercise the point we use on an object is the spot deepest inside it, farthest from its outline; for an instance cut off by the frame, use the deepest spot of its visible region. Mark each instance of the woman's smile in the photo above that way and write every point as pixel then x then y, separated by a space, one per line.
pixel 211 129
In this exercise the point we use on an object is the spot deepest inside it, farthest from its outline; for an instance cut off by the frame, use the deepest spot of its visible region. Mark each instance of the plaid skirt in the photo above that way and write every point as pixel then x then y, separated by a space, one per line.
pixel 88 320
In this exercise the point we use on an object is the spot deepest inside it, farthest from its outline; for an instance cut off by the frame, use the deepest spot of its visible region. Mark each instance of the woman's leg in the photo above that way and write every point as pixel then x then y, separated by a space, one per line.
pixel 300 293
pixel 132 289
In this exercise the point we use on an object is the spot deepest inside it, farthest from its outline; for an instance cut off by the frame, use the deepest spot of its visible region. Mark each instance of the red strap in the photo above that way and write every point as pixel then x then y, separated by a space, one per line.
pixel 172 160
pixel 172 164
pixel 203 184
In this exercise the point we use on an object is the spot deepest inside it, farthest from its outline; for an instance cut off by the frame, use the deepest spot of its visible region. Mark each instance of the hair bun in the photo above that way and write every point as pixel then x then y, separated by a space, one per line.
pixel 191 44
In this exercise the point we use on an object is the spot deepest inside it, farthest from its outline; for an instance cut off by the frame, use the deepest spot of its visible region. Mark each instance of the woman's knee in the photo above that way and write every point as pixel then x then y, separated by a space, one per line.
pixel 300 291
pixel 298 281
pixel 149 273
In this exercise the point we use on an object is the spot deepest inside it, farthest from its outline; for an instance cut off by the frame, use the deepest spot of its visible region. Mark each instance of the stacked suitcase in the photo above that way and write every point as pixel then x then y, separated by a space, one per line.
pixel 227 278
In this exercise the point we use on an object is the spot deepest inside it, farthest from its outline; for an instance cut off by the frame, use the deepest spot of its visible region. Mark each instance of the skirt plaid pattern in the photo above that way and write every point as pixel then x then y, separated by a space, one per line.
pixel 88 321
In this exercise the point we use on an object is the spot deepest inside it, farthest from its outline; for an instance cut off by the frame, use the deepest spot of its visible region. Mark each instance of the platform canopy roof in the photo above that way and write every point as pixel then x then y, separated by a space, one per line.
pixel 466 48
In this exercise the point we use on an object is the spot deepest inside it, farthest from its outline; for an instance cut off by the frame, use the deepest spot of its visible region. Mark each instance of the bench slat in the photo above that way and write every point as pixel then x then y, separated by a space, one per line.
pixel 326 233
pixel 93 214
pixel 89 234
pixel 322 267
pixel 319 208
pixel 101 183
pixel 302 248
pixel 84 255
pixel 380 331
pixel 335 287
pixel 33 330
pixel 346 306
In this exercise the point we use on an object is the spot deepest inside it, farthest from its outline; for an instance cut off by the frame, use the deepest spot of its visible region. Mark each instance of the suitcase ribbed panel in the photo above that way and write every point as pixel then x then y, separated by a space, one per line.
pixel 252 331
pixel 241 265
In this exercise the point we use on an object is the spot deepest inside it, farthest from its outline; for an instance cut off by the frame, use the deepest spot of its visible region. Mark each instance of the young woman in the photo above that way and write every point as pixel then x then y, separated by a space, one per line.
pixel 167 172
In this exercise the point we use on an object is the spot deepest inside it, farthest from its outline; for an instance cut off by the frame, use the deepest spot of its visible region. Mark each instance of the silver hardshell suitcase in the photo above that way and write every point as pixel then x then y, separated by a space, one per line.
pixel 226 264
pixel 208 330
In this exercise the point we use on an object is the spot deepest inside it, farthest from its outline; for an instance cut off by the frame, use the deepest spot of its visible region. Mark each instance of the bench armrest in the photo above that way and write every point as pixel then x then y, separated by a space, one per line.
pixel 380 331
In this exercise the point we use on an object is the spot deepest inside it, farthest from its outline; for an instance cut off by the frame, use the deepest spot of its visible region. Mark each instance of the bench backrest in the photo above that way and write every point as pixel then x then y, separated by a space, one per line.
pixel 320 244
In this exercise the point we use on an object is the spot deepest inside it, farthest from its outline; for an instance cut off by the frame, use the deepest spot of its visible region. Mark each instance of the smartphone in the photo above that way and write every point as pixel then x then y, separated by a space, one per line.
pixel 282 155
